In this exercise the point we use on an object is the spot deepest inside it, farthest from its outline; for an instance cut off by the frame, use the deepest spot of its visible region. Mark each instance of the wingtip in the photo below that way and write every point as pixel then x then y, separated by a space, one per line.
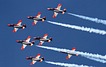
pixel 33 24
pixel 38 54
pixel 22 48
pixel 29 36
pixel 45 34
pixel 40 44
pixel 59 4
pixel 14 31
pixel 67 57
pixel 31 63
pixel 39 13
pixel 73 48
pixel 54 16
pixel 20 20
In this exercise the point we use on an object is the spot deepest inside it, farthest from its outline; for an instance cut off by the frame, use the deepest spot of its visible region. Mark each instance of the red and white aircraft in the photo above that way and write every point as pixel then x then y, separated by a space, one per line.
pixel 71 53
pixel 25 42
pixel 43 39
pixel 37 18
pixel 57 10
pixel 35 59
pixel 17 26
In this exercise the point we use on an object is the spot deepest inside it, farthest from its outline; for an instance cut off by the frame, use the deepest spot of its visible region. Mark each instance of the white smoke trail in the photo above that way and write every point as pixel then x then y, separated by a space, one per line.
pixel 66 64
pixel 82 28
pixel 95 57
pixel 89 18
pixel 54 49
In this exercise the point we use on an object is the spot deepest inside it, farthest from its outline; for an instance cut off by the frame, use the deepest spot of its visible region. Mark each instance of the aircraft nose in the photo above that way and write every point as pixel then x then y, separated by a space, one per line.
pixel 8 24
pixel 48 8
pixel 28 16
pixel 17 40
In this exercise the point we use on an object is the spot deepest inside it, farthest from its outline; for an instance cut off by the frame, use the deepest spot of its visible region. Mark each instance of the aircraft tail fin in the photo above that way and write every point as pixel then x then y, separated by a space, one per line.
pixel 50 39
pixel 42 59
pixel 33 42
pixel 64 10
pixel 24 26
pixel 44 18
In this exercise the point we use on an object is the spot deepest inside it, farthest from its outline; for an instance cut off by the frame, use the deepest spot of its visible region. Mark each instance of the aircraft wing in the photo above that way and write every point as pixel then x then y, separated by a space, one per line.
pixel 23 47
pixel 69 52
pixel 38 15
pixel 41 42
pixel 55 14
pixel 19 22
pixel 37 57
pixel 45 36
pixel 59 6
pixel 28 39
pixel 35 22
pixel 69 56
pixel 15 29
pixel 33 62
pixel 73 49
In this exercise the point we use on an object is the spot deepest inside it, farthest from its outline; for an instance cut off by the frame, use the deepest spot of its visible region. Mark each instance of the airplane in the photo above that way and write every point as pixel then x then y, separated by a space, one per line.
pixel 37 18
pixel 17 26
pixel 43 39
pixel 25 42
pixel 35 59
pixel 57 10
pixel 70 54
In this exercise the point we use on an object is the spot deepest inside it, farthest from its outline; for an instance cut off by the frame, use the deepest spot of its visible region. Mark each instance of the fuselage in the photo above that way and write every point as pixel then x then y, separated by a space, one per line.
pixel 18 26
pixel 44 39
pixel 35 59
pixel 71 53
pixel 24 42
pixel 56 10
pixel 35 18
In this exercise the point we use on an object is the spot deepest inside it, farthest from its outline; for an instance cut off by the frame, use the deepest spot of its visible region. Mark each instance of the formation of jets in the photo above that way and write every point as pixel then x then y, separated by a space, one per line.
pixel 37 18
pixel 27 42
pixel 43 39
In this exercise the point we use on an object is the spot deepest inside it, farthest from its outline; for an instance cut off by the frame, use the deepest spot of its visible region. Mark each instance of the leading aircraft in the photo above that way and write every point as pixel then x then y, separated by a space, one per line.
pixel 17 26
pixel 70 54
pixel 25 42
pixel 35 59
pixel 43 39
pixel 37 18
pixel 57 10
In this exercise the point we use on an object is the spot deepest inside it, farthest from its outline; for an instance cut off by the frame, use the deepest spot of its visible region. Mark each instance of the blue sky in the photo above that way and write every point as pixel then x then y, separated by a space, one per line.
pixel 11 11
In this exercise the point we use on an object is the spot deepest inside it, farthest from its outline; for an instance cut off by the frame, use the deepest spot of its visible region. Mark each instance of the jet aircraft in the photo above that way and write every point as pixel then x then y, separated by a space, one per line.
pixel 57 10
